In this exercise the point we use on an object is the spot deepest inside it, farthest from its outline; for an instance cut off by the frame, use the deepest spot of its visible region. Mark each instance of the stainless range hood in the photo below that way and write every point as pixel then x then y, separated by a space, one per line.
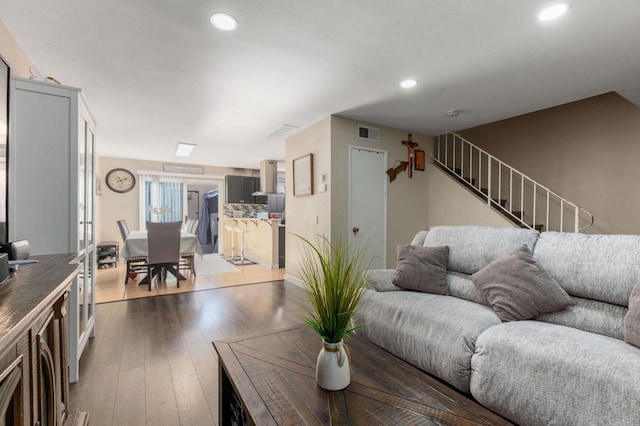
pixel 268 178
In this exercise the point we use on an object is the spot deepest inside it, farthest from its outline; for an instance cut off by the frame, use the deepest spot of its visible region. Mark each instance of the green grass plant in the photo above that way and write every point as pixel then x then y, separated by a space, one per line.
pixel 333 277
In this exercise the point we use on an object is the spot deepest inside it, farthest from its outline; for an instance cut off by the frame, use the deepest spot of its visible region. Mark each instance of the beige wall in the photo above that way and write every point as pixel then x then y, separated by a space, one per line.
pixel 301 211
pixel 13 54
pixel 587 151
pixel 329 141
pixel 112 206
pixel 451 204
pixel 406 198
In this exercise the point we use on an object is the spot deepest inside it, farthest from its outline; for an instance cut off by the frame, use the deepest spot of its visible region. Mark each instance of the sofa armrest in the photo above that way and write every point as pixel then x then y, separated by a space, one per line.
pixel 381 280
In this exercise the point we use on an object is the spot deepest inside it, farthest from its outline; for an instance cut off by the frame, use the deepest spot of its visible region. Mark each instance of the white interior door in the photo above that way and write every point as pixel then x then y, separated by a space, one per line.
pixel 367 202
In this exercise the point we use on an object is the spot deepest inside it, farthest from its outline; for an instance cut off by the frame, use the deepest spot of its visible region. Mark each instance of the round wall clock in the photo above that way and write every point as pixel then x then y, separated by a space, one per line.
pixel 120 180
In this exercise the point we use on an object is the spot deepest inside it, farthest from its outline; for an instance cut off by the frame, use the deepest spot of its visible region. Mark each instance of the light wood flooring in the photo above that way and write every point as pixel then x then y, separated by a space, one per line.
pixel 110 285
pixel 151 361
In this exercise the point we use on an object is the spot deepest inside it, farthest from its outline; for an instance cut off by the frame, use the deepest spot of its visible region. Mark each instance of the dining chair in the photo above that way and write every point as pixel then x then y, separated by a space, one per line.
pixel 124 229
pixel 134 264
pixel 187 261
pixel 163 240
pixel 193 229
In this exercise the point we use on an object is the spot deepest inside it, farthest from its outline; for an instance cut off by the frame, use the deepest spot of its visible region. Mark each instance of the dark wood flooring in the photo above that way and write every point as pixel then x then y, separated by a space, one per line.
pixel 152 361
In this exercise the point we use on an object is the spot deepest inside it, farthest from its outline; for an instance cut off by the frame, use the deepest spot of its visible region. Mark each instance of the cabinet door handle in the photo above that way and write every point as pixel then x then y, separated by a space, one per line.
pixel 355 230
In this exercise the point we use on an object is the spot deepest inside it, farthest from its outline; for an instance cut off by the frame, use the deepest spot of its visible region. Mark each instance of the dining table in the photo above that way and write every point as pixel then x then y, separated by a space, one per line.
pixel 136 246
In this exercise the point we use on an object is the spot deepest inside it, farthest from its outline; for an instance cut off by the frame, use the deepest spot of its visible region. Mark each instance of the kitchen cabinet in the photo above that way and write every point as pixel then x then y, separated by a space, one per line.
pixel 240 188
pixel 51 190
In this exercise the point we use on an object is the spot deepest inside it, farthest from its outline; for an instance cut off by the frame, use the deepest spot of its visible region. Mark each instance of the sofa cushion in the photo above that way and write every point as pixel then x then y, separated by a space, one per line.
pixel 536 373
pixel 632 319
pixel 460 285
pixel 422 269
pixel 381 279
pixel 471 248
pixel 418 239
pixel 518 288
pixel 435 333
pixel 590 315
pixel 600 267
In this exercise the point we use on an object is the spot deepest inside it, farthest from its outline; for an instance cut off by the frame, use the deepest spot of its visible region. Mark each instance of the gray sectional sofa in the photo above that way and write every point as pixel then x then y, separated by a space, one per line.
pixel 569 367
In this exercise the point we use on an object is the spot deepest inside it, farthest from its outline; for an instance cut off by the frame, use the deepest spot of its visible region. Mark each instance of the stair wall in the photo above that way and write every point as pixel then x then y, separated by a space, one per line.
pixel 587 151
pixel 450 203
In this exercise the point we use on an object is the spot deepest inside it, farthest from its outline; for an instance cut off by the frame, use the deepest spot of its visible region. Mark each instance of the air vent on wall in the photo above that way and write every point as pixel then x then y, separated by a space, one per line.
pixel 368 133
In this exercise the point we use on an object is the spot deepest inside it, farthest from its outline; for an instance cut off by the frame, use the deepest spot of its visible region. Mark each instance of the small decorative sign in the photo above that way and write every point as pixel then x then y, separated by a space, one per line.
pixel 183 169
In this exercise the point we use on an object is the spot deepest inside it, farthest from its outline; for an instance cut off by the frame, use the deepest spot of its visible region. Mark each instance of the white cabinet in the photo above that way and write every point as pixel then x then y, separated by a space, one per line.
pixel 51 187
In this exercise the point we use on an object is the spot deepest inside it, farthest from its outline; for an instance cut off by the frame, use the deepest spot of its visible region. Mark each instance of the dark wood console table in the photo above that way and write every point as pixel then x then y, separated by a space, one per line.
pixel 270 379
pixel 34 384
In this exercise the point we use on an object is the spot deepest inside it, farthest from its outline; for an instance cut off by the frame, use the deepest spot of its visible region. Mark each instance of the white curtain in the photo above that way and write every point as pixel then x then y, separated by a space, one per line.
pixel 162 198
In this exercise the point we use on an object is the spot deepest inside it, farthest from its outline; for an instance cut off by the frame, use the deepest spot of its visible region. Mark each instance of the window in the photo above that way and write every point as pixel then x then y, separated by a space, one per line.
pixel 162 199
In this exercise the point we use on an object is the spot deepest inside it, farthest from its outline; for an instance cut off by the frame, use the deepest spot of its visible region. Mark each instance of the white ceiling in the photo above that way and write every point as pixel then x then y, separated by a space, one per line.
pixel 156 72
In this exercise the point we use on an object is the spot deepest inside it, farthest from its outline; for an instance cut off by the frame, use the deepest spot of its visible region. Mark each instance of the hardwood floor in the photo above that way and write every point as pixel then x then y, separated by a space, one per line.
pixel 110 285
pixel 152 361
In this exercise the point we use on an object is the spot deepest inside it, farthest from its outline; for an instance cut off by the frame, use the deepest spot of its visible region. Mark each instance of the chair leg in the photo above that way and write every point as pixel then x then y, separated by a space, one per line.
pixel 149 271
pixel 127 272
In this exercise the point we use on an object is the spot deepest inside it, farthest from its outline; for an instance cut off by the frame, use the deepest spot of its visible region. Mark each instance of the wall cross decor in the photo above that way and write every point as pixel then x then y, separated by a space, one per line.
pixel 411 147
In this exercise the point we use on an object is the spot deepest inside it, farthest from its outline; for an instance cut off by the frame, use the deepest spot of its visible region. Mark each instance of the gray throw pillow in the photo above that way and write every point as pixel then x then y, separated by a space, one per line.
pixel 518 288
pixel 631 330
pixel 422 269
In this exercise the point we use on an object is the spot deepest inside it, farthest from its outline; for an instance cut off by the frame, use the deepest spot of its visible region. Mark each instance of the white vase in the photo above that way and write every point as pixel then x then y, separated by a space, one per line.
pixel 333 371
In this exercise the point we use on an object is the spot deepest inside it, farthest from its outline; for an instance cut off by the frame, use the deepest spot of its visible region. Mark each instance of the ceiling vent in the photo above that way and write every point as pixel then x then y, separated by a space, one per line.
pixel 368 133
pixel 280 133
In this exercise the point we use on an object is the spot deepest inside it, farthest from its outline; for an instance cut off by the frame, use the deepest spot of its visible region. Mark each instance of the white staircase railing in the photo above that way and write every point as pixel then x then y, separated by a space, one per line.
pixel 519 197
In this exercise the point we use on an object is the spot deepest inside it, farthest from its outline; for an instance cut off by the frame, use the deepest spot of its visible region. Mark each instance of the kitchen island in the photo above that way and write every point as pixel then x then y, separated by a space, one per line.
pixel 261 239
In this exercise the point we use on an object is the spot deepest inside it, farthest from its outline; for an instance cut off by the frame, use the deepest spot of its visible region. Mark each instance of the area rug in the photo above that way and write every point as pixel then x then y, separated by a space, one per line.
pixel 213 264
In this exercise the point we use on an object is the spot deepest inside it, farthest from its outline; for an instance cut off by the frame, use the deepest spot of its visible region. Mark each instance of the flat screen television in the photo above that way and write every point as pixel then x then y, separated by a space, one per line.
pixel 4 143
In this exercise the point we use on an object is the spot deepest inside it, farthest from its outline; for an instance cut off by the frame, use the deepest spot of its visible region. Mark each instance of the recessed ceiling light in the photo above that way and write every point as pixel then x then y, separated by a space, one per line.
pixel 224 21
pixel 184 149
pixel 408 84
pixel 553 12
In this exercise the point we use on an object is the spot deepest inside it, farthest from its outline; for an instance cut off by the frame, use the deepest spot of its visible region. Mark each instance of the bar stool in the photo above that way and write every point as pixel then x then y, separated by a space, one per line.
pixel 241 233
pixel 232 230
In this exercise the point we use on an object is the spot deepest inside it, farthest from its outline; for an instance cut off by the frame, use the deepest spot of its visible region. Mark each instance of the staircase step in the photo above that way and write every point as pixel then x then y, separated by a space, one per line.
pixel 503 203
pixel 456 172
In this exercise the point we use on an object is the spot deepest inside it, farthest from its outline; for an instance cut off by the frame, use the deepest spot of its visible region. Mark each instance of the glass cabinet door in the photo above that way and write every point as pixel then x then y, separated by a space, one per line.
pixel 82 165
pixel 83 298
pixel 90 257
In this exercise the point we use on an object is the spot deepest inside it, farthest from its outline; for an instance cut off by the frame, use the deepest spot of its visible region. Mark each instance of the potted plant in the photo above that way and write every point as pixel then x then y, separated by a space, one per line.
pixel 333 277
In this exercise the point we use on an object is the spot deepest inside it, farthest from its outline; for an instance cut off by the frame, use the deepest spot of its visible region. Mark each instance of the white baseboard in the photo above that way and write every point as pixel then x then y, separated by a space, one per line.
pixel 293 280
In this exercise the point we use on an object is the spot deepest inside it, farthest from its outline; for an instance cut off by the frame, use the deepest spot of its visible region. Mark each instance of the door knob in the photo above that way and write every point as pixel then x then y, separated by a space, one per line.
pixel 355 230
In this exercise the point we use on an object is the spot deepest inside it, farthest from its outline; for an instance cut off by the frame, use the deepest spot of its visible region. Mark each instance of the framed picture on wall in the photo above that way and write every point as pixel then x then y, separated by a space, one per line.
pixel 303 175
pixel 420 160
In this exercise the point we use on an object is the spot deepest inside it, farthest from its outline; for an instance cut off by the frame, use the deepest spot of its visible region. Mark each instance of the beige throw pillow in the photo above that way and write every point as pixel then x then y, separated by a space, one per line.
pixel 518 288
pixel 422 269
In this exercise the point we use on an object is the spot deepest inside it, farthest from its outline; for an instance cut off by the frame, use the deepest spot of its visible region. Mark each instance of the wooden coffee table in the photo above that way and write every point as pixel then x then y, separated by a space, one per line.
pixel 269 379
